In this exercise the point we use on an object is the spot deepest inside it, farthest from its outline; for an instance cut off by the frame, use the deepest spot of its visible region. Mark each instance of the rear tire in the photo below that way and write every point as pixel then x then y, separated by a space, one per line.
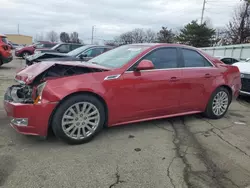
pixel 78 119
pixel 218 103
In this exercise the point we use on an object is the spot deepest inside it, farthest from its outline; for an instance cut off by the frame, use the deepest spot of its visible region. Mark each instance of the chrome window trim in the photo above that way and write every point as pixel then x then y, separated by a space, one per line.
pixel 171 68
pixel 180 68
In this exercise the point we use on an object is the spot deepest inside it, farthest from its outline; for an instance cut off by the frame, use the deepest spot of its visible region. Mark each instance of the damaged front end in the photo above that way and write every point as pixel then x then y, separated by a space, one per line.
pixel 32 80
pixel 19 94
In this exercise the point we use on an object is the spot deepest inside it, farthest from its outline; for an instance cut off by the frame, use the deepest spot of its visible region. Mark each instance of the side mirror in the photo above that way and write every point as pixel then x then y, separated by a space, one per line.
pixel 145 65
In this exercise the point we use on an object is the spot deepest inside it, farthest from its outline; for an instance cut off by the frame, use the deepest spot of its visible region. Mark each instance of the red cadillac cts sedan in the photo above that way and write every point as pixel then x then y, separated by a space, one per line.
pixel 131 83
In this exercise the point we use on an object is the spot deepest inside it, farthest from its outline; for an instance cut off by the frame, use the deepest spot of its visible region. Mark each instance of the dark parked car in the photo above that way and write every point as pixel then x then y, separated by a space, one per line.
pixel 29 50
pixel 228 60
pixel 83 53
pixel 128 84
pixel 61 48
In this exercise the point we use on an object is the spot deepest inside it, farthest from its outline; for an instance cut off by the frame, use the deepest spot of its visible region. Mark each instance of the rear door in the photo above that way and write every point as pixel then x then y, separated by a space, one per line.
pixel 197 78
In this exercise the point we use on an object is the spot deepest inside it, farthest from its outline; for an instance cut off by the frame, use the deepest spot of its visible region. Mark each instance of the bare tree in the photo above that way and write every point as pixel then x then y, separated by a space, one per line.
pixel 39 37
pixel 150 36
pixel 52 36
pixel 136 36
pixel 238 29
pixel 74 37
pixel 125 38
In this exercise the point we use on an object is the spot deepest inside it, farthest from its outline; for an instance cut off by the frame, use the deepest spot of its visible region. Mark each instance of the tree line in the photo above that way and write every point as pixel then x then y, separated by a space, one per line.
pixel 237 31
pixel 53 36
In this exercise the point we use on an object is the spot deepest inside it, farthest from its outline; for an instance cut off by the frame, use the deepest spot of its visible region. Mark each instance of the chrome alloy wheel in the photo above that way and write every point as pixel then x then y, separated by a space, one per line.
pixel 220 103
pixel 80 120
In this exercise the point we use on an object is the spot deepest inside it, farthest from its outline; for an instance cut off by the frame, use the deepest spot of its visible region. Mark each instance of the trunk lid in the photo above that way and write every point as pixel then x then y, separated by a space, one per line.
pixel 28 74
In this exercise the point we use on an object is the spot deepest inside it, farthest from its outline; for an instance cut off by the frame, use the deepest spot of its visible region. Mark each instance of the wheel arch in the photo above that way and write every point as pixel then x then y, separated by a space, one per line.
pixel 229 90
pixel 75 94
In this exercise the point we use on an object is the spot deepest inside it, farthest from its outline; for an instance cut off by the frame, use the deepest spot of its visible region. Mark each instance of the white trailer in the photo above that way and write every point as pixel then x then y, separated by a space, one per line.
pixel 240 51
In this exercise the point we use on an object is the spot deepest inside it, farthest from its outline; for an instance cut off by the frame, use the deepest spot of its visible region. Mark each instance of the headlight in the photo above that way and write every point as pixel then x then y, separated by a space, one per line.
pixel 39 92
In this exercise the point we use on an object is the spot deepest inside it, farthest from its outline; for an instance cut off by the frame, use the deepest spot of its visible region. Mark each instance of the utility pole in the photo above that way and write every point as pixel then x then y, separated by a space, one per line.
pixel 18 29
pixel 203 10
pixel 92 37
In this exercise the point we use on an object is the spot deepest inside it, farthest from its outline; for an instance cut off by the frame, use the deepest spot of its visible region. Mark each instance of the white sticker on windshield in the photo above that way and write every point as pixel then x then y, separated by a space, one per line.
pixel 134 49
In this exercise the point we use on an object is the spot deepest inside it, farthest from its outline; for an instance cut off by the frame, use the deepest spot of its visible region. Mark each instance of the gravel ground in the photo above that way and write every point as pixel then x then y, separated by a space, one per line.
pixel 181 152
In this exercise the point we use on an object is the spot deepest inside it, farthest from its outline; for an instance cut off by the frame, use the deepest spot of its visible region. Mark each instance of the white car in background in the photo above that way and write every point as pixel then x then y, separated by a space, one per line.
pixel 244 67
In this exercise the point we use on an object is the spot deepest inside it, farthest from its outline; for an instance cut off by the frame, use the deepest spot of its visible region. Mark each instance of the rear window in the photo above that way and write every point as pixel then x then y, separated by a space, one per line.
pixel 5 40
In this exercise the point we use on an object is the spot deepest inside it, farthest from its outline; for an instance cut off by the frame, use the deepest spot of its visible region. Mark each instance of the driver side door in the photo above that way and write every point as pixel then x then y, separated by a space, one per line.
pixel 150 93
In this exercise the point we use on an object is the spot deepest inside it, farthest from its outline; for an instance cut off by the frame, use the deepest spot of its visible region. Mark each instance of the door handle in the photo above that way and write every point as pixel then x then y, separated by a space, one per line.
pixel 208 75
pixel 174 79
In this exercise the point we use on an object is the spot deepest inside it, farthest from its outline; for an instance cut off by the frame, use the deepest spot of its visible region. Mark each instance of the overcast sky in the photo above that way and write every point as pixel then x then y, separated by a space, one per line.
pixel 110 17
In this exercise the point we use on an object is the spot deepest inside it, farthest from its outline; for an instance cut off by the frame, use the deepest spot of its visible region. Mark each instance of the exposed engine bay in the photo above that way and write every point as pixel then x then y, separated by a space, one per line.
pixel 24 93
pixel 62 71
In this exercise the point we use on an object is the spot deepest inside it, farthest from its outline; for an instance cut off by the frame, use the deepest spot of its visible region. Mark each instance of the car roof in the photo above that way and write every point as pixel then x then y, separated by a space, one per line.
pixel 71 43
pixel 2 35
pixel 162 45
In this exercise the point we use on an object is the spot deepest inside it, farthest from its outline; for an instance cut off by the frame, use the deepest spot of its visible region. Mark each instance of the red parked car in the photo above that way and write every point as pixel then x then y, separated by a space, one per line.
pixel 29 50
pixel 131 83
pixel 5 50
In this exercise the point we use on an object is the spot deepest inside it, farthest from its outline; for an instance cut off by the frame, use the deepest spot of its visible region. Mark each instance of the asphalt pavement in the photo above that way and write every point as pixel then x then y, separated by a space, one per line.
pixel 181 152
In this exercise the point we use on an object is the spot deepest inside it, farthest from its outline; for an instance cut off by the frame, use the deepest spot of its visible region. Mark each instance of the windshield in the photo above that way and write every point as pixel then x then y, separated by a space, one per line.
pixel 78 51
pixel 119 56
pixel 5 40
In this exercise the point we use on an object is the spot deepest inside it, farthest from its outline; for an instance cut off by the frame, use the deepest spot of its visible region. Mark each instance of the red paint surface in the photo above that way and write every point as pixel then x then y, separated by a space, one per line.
pixel 134 96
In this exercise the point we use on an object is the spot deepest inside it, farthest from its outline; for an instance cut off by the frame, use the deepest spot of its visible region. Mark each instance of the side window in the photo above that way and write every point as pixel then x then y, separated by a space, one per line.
pixel 94 52
pixel 194 59
pixel 106 49
pixel 73 47
pixel 163 58
pixel 234 61
pixel 227 61
pixel 48 45
pixel 63 48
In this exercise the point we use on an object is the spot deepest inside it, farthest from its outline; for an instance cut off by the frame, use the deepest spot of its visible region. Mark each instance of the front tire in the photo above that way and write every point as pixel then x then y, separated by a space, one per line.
pixel 78 119
pixel 218 104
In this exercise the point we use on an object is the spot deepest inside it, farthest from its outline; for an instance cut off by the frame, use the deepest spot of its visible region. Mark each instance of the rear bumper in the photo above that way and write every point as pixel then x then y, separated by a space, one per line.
pixel 29 119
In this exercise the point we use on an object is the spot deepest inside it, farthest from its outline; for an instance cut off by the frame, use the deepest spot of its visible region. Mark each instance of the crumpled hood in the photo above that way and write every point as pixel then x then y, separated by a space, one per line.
pixel 243 66
pixel 28 74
